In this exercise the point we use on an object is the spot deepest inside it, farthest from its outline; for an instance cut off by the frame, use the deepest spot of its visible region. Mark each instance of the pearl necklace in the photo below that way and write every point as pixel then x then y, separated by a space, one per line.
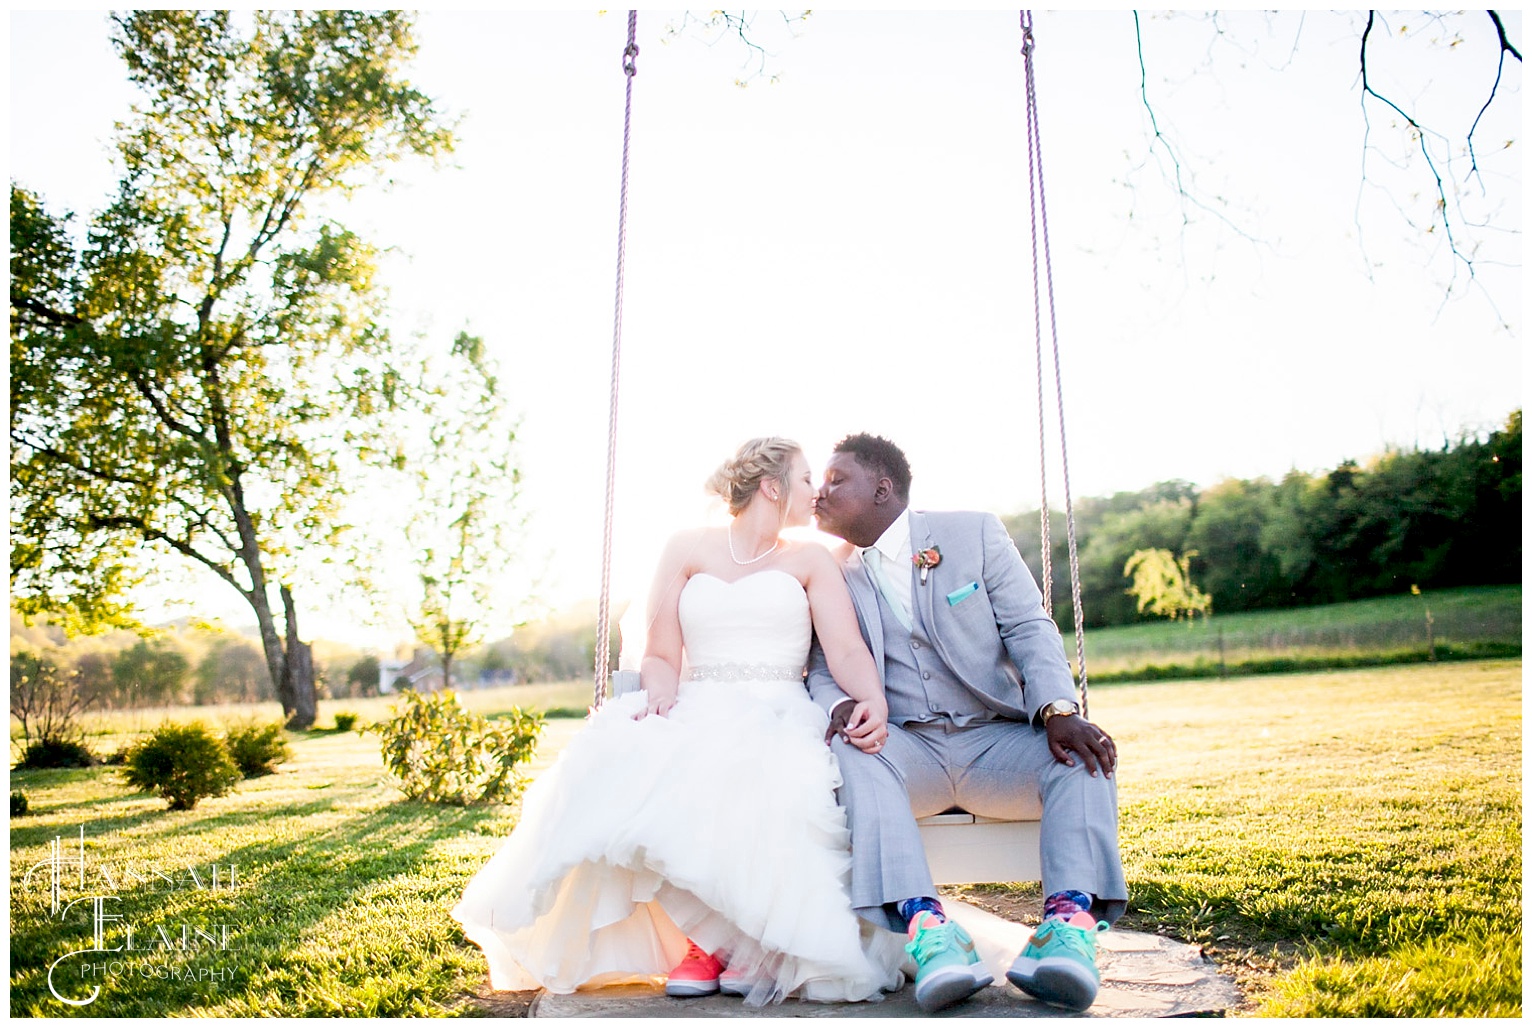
pixel 729 534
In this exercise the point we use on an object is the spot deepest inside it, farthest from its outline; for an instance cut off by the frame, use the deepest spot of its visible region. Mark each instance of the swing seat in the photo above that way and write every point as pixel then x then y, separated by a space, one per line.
pixel 960 847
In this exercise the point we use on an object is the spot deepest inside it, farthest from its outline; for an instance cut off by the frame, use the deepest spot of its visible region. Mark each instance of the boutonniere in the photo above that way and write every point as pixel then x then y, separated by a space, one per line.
pixel 925 560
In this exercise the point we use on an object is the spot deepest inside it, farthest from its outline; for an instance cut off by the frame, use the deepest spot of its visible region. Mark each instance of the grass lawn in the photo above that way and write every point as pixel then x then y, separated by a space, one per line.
pixel 1476 623
pixel 1345 843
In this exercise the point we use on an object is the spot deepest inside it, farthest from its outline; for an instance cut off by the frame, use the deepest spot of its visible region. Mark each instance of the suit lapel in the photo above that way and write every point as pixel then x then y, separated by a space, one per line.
pixel 924 595
pixel 920 595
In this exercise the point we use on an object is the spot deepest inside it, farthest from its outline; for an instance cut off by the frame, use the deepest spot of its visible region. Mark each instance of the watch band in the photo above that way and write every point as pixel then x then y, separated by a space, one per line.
pixel 1058 708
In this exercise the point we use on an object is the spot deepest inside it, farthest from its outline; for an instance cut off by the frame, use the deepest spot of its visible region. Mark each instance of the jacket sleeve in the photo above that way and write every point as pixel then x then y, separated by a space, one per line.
pixel 1030 637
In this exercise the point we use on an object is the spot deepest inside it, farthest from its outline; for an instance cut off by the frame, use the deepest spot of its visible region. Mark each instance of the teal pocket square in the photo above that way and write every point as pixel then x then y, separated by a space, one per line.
pixel 957 596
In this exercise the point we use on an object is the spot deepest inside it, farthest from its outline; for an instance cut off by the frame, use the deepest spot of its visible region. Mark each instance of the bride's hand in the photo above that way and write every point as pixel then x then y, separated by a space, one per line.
pixel 867 728
pixel 659 703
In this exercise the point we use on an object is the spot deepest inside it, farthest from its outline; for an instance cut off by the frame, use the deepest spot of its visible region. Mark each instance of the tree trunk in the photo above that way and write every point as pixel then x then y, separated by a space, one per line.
pixel 297 689
pixel 271 645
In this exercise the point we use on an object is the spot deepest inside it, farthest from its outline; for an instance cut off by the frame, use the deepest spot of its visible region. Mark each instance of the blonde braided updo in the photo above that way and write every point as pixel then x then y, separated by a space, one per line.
pixel 739 478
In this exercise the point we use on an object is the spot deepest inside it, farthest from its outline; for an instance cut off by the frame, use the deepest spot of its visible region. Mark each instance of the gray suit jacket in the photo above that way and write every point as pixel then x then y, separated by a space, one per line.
pixel 997 640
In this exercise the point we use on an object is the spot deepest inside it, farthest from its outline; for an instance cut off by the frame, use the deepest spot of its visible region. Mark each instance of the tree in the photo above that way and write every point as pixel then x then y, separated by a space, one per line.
pixel 231 670
pixel 362 678
pixel 462 527
pixel 1162 584
pixel 1448 170
pixel 1226 534
pixel 151 671
pixel 195 385
pixel 1159 523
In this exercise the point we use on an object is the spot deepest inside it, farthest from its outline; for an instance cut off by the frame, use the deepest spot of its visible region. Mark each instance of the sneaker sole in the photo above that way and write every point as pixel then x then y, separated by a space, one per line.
pixel 1057 981
pixel 734 988
pixel 950 985
pixel 690 990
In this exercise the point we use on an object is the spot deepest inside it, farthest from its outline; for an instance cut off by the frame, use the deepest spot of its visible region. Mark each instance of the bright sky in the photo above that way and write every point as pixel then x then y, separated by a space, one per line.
pixel 847 249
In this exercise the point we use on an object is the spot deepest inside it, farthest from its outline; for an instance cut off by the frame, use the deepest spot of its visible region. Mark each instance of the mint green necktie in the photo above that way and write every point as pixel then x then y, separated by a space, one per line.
pixel 874 561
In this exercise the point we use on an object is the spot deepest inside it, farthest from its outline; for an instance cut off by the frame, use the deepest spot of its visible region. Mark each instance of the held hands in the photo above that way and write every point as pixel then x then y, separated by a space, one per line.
pixel 1077 735
pixel 863 725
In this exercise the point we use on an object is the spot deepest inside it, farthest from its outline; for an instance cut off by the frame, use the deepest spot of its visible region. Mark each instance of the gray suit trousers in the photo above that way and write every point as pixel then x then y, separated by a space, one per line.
pixel 997 769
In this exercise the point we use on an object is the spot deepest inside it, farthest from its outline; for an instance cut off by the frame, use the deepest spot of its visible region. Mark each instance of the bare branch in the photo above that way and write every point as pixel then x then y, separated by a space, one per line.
pixel 1505 48
pixel 1420 136
pixel 1185 195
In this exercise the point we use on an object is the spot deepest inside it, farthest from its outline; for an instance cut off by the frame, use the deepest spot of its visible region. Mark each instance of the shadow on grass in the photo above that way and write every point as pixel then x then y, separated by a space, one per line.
pixel 291 895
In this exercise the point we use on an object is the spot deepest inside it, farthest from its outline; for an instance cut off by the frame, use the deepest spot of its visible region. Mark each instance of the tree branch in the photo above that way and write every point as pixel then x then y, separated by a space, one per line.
pixel 183 547
pixel 1420 136
pixel 141 383
pixel 19 438
pixel 44 311
pixel 1505 48
pixel 1160 138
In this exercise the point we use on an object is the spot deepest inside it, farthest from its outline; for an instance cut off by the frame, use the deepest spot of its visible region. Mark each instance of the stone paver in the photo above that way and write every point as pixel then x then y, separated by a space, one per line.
pixel 1141 976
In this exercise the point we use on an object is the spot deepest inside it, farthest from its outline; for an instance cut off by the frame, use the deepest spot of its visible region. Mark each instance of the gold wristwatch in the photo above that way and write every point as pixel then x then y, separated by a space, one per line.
pixel 1058 708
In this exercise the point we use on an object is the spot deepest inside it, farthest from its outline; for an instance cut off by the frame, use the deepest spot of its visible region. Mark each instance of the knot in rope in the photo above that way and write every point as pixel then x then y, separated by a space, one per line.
pixel 630 54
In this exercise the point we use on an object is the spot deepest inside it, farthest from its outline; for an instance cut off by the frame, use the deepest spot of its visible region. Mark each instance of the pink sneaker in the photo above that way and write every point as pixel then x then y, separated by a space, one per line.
pixel 697 975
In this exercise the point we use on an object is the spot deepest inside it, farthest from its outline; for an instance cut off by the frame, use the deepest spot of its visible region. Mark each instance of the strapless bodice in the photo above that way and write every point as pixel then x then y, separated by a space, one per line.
pixel 760 621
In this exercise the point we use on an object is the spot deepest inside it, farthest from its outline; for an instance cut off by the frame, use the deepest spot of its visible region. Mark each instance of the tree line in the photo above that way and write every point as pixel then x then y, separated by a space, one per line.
pixel 184 662
pixel 1426 518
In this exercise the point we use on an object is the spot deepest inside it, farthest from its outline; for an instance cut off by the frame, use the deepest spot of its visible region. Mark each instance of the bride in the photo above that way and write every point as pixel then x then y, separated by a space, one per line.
pixel 691 828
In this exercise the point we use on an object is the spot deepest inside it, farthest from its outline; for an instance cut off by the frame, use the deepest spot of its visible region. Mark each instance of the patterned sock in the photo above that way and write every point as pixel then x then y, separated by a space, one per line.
pixel 909 909
pixel 1065 905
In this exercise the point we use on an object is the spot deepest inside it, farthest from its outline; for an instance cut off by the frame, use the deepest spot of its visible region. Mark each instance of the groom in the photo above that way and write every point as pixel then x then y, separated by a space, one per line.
pixel 981 715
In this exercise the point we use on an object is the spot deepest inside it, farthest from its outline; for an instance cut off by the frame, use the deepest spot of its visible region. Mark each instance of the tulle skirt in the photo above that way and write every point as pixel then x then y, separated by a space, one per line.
pixel 717 823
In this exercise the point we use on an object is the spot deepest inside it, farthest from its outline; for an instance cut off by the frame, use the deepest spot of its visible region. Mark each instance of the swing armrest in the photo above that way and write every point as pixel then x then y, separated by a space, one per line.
pixel 624 682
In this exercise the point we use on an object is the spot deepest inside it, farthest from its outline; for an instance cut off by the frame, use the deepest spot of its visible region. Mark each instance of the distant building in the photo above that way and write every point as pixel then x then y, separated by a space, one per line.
pixel 421 672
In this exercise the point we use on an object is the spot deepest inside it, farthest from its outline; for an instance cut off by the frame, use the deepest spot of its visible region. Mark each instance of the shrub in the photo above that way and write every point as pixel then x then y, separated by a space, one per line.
pixel 19 804
pixel 40 753
pixel 257 748
pixel 442 753
pixel 182 763
pixel 345 721
pixel 47 698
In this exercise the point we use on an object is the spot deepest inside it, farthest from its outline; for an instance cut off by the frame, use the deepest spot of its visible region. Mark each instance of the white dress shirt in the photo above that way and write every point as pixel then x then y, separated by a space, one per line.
pixel 894 548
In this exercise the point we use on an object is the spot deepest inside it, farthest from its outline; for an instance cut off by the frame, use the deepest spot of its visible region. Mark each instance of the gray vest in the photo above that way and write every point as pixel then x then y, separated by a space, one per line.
pixel 919 685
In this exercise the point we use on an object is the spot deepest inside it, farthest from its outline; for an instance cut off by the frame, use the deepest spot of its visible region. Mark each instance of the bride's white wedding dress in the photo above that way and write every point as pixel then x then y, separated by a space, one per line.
pixel 717 823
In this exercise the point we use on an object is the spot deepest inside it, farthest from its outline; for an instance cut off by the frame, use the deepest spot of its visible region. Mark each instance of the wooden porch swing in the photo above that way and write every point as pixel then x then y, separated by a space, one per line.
pixel 960 847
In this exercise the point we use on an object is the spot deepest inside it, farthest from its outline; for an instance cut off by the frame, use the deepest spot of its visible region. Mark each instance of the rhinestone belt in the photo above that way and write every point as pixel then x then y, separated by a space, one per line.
pixel 745 673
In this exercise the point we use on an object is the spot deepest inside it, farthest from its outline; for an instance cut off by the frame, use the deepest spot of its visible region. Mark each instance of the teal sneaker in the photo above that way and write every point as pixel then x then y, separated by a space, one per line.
pixel 949 969
pixel 1058 964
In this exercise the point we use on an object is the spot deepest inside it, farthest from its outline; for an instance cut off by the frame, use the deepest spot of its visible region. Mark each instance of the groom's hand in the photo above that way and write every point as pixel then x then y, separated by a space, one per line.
pixel 1076 735
pixel 840 714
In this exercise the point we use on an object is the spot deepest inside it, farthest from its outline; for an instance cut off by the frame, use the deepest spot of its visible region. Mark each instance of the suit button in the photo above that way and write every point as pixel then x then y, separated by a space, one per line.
pixel 935 708
pixel 914 645
pixel 925 674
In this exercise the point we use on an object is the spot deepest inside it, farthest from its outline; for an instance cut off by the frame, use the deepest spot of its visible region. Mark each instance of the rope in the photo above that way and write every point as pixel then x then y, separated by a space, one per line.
pixel 1039 212
pixel 604 612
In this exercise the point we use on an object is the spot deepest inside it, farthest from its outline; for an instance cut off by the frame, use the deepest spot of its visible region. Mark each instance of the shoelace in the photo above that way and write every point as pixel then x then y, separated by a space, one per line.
pixel 931 940
pixel 694 951
pixel 1081 940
